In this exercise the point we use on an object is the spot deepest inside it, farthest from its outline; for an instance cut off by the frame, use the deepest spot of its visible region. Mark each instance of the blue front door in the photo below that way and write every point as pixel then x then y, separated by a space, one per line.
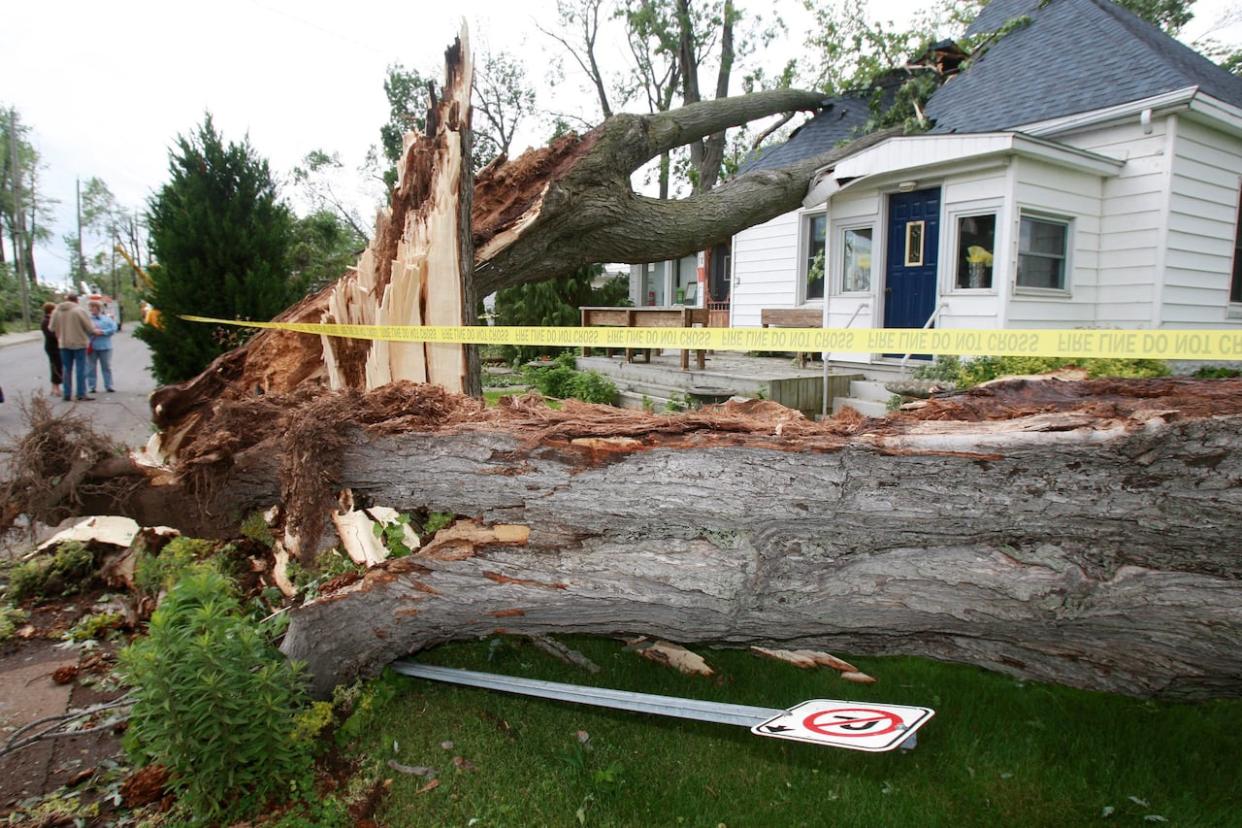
pixel 910 267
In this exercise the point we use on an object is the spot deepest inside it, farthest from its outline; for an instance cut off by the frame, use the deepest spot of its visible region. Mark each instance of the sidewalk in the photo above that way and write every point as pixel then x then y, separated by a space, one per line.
pixel 18 338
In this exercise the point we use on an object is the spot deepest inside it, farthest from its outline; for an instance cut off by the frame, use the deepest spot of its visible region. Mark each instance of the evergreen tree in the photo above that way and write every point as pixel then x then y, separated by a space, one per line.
pixel 222 238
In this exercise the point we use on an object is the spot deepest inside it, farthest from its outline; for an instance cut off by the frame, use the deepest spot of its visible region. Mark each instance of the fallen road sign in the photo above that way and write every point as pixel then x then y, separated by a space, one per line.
pixel 866 726
pixel 846 724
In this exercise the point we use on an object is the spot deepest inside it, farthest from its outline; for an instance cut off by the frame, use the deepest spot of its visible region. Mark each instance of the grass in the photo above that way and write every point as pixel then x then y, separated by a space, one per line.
pixel 999 752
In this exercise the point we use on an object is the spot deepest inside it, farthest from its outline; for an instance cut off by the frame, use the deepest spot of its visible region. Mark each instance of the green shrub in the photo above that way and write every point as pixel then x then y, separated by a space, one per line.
pixel 969 373
pixel 1217 372
pixel 156 572
pixel 255 527
pixel 593 387
pixel 561 380
pixel 47 576
pixel 95 626
pixel 215 702
pixel 10 617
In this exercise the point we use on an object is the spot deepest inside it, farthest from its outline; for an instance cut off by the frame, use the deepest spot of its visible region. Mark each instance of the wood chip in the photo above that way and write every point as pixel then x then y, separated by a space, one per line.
pixel 858 678
pixel 568 655
pixel 675 656
pixel 459 541
pixel 430 786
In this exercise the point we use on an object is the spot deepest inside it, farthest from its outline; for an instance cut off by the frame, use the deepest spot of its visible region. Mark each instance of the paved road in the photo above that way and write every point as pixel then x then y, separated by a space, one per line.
pixel 124 415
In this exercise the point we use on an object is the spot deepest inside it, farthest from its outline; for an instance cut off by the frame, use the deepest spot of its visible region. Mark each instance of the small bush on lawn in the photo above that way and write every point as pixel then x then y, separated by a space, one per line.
pixel 561 380
pixel 47 576
pixel 215 702
pixel 969 373
pixel 10 617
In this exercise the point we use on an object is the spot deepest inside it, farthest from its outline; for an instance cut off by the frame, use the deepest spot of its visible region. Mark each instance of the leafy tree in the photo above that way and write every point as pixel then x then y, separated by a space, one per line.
pixel 555 302
pixel 502 98
pixel 406 90
pixel 222 238
pixel 324 245
pixel 1170 15
pixel 33 226
pixel 314 176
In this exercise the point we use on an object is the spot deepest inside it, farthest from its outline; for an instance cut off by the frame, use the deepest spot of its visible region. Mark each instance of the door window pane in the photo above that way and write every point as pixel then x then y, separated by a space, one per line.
pixel 817 227
pixel 976 244
pixel 856 251
pixel 914 243
pixel 1041 253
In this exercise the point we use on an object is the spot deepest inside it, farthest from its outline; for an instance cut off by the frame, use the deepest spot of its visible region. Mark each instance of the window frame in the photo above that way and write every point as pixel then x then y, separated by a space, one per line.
pixel 806 239
pixel 838 262
pixel 1067 267
pixel 952 219
pixel 1233 307
pixel 910 261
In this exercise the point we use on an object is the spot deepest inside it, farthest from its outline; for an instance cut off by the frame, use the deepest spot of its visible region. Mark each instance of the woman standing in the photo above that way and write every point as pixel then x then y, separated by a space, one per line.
pixel 51 347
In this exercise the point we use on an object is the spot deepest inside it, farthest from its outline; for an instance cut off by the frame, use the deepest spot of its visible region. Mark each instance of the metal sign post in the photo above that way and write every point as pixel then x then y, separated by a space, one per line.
pixel 853 725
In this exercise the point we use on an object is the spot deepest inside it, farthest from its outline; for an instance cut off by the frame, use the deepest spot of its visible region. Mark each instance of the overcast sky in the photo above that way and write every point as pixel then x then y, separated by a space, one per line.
pixel 106 86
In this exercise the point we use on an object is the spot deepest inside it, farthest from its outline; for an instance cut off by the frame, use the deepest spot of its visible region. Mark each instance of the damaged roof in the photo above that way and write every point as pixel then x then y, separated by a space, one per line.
pixel 1074 56
pixel 841 119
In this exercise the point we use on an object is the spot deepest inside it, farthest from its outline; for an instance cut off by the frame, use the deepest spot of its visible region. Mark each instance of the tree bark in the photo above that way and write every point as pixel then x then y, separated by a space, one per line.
pixel 1059 548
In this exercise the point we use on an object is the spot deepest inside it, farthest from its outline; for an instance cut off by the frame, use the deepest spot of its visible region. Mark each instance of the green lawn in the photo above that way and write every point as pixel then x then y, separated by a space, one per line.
pixel 998 752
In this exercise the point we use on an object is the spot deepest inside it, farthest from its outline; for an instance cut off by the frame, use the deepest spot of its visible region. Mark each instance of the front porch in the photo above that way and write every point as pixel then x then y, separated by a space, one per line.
pixel 662 384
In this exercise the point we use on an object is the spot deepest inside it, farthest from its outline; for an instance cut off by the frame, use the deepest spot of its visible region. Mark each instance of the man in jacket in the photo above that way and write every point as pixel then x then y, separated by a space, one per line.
pixel 73 328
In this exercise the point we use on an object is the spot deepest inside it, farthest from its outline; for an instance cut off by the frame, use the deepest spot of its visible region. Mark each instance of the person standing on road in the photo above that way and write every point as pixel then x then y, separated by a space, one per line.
pixel 100 353
pixel 50 346
pixel 73 328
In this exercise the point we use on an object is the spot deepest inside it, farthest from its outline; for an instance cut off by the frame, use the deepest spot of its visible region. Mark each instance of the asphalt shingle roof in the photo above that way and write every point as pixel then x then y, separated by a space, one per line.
pixel 1074 56
pixel 839 120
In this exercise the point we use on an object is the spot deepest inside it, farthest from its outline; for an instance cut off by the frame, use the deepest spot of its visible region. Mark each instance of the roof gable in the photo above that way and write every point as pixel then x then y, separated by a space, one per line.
pixel 1075 56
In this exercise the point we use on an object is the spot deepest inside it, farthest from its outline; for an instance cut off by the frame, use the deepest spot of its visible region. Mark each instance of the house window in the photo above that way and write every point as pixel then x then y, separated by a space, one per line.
pixel 1235 286
pixel 1042 244
pixel 816 238
pixel 856 260
pixel 914 243
pixel 976 244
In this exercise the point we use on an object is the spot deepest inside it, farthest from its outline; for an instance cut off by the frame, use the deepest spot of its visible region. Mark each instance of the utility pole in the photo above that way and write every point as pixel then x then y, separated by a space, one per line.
pixel 81 259
pixel 19 263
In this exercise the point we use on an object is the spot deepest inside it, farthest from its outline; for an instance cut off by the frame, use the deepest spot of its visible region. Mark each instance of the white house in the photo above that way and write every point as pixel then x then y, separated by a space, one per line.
pixel 1084 172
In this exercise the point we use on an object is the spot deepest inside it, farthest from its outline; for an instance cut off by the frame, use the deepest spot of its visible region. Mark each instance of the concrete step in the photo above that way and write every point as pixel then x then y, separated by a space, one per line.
pixel 868 408
pixel 637 401
pixel 651 389
pixel 620 371
pixel 870 390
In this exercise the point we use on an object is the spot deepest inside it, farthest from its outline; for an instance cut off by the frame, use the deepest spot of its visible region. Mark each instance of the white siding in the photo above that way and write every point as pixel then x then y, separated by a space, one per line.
pixel 974 192
pixel 1043 188
pixel 1203 208
pixel 1132 219
pixel 765 269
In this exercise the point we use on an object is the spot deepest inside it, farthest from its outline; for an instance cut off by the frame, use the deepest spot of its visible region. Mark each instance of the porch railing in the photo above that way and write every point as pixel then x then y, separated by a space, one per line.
pixel 931 320
pixel 718 314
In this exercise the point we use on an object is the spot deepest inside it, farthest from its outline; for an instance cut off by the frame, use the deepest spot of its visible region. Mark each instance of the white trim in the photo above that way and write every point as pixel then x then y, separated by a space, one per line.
pixel 1162 233
pixel 1178 98
pixel 1067 264
pixel 805 218
pixel 837 284
pixel 940 151
pixel 1222 115
pixel 952 215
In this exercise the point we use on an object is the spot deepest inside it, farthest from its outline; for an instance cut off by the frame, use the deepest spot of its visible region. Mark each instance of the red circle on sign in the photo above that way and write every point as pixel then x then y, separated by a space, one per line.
pixel 888 722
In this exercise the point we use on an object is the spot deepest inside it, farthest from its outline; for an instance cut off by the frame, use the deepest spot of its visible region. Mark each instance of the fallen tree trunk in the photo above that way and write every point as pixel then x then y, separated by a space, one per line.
pixel 1082 533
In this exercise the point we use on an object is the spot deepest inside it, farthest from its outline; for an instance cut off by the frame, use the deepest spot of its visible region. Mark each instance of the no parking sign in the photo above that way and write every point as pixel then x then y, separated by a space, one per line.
pixel 853 725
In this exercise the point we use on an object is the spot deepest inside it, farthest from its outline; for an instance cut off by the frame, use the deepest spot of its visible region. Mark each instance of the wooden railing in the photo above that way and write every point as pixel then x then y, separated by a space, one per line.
pixel 718 314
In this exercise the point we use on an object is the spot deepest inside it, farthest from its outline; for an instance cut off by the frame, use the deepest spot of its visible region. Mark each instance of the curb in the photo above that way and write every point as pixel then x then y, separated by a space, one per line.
pixel 19 338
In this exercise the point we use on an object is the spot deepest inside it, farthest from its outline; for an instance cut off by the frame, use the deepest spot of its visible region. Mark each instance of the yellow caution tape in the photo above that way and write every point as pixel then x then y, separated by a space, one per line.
pixel 1096 343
